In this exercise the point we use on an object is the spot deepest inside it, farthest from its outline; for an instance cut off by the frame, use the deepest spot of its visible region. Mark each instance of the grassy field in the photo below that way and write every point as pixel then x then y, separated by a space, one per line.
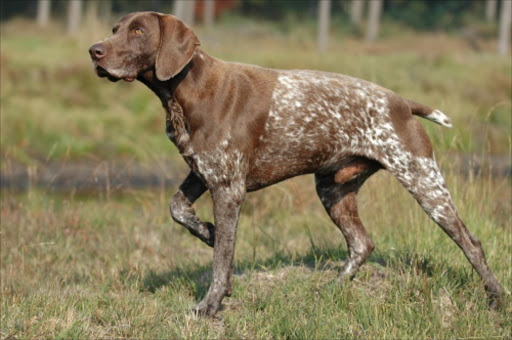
pixel 96 268
pixel 116 266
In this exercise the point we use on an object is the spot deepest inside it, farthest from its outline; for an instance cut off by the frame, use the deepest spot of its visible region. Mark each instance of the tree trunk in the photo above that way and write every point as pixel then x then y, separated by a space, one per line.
pixel 190 12
pixel 91 14
pixel 74 15
pixel 185 10
pixel 490 10
pixel 43 12
pixel 209 12
pixel 179 9
pixel 505 18
pixel 356 12
pixel 373 20
pixel 324 11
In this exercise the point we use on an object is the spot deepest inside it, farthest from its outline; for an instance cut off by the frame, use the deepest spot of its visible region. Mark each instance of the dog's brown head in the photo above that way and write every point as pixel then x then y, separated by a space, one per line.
pixel 143 41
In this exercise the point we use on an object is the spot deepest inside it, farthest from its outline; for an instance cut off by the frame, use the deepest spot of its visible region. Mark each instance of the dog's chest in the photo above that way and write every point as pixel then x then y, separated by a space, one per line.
pixel 217 164
pixel 175 126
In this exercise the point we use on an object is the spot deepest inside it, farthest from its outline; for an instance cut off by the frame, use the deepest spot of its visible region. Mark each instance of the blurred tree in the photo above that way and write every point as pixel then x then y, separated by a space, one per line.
pixel 504 35
pixel 372 30
pixel 126 6
pixel 184 9
pixel 434 14
pixel 74 15
pixel 356 12
pixel 9 8
pixel 91 13
pixel 324 13
pixel 278 9
pixel 190 12
pixel 490 9
pixel 43 12
pixel 417 14
pixel 209 12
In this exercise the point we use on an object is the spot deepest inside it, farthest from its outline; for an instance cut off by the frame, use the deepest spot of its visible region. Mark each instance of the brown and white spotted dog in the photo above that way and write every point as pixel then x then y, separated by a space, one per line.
pixel 241 128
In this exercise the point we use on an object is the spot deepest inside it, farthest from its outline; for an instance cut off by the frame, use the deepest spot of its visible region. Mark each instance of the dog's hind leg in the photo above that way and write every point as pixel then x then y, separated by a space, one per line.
pixel 338 191
pixel 420 175
pixel 182 212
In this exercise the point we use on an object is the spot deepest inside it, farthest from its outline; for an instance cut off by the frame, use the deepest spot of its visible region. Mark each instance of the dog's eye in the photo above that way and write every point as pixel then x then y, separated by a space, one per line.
pixel 114 30
pixel 137 31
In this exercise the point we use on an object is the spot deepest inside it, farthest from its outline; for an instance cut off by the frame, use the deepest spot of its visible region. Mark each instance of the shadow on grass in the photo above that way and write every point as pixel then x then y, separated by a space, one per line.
pixel 397 262
pixel 316 259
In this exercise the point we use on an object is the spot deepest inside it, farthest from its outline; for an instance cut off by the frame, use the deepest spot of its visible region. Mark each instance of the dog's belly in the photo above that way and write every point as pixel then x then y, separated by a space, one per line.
pixel 285 154
pixel 285 166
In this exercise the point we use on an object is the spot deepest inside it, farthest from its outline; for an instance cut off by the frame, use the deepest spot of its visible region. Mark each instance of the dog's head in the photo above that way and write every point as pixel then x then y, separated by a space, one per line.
pixel 143 41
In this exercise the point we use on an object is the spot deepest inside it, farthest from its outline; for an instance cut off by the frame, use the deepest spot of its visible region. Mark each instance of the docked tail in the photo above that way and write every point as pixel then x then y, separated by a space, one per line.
pixel 427 113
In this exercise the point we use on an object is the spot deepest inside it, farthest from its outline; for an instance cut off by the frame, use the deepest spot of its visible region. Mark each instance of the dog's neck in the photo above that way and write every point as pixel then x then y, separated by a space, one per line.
pixel 186 84
pixel 179 96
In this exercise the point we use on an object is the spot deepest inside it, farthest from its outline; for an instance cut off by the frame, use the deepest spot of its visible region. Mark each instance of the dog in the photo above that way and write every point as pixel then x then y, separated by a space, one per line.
pixel 241 128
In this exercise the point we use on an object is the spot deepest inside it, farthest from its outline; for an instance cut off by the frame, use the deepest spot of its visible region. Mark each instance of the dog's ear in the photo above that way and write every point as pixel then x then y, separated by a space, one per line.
pixel 177 46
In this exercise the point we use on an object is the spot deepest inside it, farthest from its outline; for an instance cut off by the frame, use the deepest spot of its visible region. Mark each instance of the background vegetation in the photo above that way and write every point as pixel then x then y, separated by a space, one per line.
pixel 112 263
pixel 423 15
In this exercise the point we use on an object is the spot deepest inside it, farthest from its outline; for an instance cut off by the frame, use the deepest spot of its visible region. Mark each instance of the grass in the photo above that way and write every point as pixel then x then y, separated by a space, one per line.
pixel 116 266
pixel 92 267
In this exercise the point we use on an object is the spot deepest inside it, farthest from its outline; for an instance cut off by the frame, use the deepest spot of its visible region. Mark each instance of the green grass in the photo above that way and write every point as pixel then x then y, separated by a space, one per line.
pixel 91 267
pixel 116 266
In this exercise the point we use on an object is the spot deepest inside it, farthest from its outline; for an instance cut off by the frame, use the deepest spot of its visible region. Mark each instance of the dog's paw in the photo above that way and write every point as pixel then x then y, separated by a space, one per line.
pixel 205 308
pixel 494 304
pixel 348 271
pixel 495 296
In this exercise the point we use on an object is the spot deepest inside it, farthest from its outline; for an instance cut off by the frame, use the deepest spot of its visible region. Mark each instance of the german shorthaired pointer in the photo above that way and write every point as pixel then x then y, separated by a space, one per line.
pixel 241 128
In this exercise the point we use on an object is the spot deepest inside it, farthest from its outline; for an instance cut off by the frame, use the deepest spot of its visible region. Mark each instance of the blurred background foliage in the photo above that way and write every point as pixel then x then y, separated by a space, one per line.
pixel 426 15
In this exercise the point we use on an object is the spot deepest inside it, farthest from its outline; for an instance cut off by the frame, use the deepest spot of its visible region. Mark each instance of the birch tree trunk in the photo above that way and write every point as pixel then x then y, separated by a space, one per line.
pixel 372 31
pixel 356 12
pixel 185 10
pixel 43 12
pixel 179 8
pixel 91 14
pixel 190 12
pixel 324 9
pixel 504 35
pixel 74 15
pixel 209 12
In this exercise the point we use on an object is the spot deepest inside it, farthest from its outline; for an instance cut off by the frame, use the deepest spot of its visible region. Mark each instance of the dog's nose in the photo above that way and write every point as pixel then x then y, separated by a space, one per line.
pixel 97 51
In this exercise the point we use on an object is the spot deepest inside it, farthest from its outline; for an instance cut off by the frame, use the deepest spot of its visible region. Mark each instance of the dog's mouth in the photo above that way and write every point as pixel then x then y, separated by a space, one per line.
pixel 102 73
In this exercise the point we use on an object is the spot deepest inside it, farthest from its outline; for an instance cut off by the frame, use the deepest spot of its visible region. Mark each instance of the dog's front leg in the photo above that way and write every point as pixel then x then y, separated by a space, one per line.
pixel 227 201
pixel 183 213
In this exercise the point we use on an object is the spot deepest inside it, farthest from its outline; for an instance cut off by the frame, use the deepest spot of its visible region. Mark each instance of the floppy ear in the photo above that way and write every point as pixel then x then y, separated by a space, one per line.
pixel 177 46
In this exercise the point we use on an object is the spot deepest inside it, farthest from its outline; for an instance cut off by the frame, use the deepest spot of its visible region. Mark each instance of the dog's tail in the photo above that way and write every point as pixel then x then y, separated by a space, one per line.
pixel 427 113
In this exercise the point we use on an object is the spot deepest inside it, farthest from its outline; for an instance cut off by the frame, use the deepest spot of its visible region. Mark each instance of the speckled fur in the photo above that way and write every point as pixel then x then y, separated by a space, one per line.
pixel 241 128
